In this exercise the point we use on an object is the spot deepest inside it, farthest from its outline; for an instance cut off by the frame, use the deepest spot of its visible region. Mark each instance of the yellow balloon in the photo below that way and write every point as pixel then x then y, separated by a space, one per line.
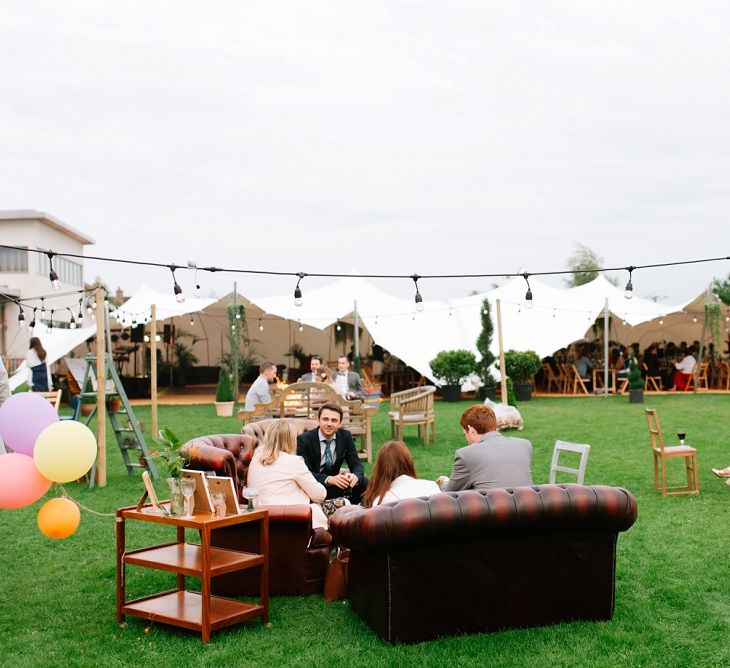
pixel 65 450
pixel 58 518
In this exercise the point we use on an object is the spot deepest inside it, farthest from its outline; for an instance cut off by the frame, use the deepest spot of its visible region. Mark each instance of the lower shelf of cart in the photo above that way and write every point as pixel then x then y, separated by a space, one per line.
pixel 185 609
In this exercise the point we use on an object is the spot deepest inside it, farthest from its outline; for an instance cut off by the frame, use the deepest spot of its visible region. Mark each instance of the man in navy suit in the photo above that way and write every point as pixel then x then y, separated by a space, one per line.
pixel 325 448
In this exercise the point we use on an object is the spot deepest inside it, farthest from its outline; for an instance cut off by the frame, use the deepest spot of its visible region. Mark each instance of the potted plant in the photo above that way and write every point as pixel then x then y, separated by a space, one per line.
pixel 89 401
pixel 171 462
pixel 521 366
pixel 636 383
pixel 484 343
pixel 113 403
pixel 453 367
pixel 224 395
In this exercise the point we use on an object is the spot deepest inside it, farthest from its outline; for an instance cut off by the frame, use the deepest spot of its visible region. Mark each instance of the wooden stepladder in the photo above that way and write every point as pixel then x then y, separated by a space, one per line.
pixel 127 431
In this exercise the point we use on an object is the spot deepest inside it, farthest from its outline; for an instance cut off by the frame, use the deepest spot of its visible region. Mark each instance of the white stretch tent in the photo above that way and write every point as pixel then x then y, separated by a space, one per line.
pixel 57 344
pixel 138 309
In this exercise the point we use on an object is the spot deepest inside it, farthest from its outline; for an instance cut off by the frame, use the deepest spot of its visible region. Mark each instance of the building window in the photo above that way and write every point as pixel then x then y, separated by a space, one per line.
pixel 68 272
pixel 12 259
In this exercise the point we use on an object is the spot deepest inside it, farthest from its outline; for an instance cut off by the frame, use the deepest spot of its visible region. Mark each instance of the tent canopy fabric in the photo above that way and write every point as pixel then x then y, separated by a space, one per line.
pixel 138 308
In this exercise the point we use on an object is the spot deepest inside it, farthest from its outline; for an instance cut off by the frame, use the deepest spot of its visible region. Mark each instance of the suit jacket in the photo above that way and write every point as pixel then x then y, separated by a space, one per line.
pixel 354 384
pixel 495 461
pixel 309 449
pixel 307 378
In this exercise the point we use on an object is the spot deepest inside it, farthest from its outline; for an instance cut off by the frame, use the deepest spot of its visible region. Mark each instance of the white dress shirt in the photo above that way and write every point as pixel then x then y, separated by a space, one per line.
pixel 687 365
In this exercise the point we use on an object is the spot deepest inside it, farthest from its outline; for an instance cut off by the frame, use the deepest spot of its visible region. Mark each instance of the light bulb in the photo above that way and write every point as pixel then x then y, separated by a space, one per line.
pixel 158 338
pixel 528 298
pixel 55 283
pixel 146 338
pixel 49 329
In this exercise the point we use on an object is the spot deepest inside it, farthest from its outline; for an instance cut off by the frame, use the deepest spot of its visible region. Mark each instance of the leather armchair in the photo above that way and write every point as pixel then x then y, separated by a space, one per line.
pixel 298 554
pixel 469 562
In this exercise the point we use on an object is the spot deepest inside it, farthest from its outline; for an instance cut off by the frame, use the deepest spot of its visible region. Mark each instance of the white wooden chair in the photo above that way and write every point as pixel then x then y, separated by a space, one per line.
pixel 563 446
pixel 413 407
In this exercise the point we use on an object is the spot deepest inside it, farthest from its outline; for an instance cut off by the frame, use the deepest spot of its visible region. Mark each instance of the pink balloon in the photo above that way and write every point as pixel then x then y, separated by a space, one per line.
pixel 22 418
pixel 20 482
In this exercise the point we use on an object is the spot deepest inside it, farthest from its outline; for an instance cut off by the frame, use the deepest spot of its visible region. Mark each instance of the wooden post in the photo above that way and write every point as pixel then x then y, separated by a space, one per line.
pixel 101 373
pixel 153 369
pixel 503 382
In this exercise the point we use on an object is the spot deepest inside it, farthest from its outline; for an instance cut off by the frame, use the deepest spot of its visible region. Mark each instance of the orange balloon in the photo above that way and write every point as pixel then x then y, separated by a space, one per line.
pixel 58 518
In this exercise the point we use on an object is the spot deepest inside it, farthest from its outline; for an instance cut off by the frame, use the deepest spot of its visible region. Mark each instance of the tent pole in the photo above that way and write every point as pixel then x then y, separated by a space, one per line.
pixel 234 348
pixel 356 353
pixel 700 352
pixel 153 368
pixel 101 372
pixel 503 382
pixel 605 348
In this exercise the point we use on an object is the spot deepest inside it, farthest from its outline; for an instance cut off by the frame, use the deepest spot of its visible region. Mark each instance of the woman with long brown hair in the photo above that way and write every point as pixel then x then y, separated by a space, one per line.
pixel 39 373
pixel 394 477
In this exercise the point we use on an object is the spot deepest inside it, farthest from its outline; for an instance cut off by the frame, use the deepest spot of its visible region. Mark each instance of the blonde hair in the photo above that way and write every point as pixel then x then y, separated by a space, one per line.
pixel 280 437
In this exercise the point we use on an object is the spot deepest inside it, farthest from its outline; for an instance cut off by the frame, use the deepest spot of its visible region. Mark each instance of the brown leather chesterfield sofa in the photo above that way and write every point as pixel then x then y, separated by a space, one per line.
pixel 298 554
pixel 469 562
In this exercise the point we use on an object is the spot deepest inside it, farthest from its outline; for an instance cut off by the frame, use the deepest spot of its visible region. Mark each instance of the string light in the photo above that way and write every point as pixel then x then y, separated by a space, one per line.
pixel 339 327
pixel 629 290
pixel 49 329
pixel 80 315
pixel 21 316
pixel 43 307
pixel 418 297
pixel 301 327
pixel 146 338
pixel 261 325
pixel 694 318
pixel 179 296
pixel 31 324
pixel 298 291
pixel 192 320
pixel 72 323
pixel 528 294
pixel 52 275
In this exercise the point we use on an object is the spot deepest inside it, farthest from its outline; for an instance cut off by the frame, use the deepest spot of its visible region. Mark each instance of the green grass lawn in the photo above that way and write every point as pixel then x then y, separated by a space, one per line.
pixel 57 598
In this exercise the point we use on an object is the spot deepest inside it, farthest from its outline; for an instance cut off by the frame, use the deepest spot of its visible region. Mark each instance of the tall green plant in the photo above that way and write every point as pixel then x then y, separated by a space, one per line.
pixel 484 343
pixel 224 389
pixel 636 381
pixel 240 355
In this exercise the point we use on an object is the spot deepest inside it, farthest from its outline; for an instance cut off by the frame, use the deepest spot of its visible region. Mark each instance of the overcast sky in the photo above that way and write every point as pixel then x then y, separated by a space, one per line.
pixel 374 136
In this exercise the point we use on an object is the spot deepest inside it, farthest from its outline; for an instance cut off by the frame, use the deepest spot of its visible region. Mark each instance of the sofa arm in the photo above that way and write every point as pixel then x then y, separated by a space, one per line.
pixel 210 458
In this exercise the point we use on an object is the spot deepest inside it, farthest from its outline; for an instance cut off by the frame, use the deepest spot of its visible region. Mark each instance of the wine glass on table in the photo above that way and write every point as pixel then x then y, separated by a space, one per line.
pixel 681 434
pixel 187 487
pixel 250 493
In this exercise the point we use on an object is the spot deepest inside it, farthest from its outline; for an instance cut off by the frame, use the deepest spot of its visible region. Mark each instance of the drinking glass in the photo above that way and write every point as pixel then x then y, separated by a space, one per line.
pixel 681 434
pixel 251 493
pixel 187 486
pixel 219 504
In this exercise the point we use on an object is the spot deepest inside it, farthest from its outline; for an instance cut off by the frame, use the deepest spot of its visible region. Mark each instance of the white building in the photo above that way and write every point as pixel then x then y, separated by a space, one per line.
pixel 25 275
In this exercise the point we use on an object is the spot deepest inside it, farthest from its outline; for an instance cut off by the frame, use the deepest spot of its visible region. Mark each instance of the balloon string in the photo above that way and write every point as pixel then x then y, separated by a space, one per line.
pixel 81 505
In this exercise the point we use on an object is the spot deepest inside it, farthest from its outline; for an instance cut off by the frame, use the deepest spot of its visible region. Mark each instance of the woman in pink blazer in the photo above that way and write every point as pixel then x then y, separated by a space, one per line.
pixel 281 477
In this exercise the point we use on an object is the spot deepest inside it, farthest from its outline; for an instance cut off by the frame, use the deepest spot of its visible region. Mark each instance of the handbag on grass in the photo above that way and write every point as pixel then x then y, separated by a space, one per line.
pixel 335 583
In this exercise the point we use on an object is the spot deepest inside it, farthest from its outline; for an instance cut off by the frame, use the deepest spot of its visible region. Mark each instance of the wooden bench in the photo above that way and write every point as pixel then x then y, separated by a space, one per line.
pixel 303 400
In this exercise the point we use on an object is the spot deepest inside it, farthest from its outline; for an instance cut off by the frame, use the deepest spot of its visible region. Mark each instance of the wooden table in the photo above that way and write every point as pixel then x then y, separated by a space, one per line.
pixel 197 611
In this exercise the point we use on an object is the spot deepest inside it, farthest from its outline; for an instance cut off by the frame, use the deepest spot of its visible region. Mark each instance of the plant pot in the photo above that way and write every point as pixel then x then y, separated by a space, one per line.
pixel 487 393
pixel 523 391
pixel 451 392
pixel 87 409
pixel 224 408
pixel 636 396
pixel 114 405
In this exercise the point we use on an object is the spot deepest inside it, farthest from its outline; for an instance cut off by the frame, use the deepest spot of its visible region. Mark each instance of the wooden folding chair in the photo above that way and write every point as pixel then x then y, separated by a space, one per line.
pixel 54 397
pixel 550 378
pixel 577 381
pixel 663 453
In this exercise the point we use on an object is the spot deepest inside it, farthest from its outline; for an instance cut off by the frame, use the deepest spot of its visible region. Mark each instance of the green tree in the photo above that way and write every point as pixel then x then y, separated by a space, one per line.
pixel 584 263
pixel 722 289
pixel 483 343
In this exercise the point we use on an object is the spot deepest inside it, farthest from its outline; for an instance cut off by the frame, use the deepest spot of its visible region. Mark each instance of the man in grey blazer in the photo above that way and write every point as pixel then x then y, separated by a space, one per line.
pixel 349 382
pixel 489 460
